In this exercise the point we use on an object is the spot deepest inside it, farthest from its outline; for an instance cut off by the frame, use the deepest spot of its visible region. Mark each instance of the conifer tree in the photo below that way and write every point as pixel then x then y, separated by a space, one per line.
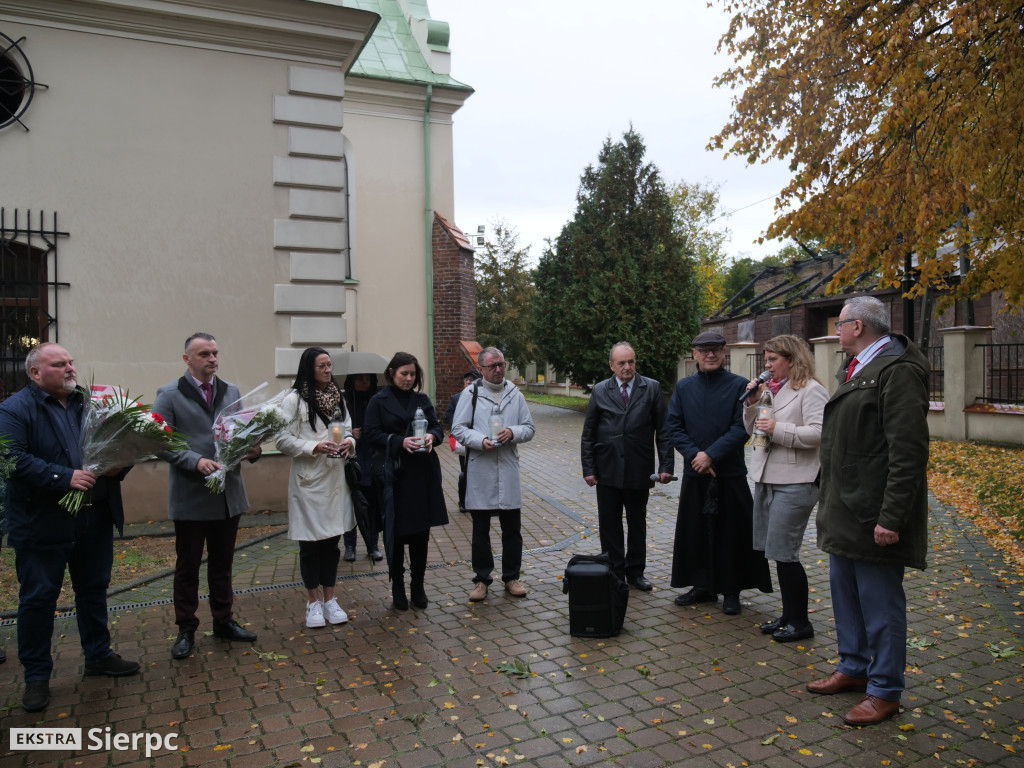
pixel 617 272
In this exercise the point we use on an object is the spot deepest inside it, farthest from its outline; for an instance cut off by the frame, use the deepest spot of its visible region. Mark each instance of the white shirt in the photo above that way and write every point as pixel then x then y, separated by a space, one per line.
pixel 628 384
pixel 869 353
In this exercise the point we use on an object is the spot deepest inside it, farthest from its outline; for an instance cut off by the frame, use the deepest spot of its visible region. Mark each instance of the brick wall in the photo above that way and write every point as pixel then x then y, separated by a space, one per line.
pixel 454 307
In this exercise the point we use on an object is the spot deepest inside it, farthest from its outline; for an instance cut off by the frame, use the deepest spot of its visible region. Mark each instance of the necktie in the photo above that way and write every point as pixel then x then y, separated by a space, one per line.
pixel 207 388
pixel 849 371
pixel 625 395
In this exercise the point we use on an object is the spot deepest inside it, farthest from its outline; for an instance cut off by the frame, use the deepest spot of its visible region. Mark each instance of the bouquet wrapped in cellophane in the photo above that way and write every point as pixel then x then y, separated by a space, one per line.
pixel 242 426
pixel 118 431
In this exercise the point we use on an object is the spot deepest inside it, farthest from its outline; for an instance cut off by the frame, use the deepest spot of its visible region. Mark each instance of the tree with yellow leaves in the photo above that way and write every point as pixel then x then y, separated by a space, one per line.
pixel 695 209
pixel 903 123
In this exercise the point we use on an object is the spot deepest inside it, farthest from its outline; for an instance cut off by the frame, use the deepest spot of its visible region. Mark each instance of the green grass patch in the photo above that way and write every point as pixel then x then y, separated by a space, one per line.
pixel 559 401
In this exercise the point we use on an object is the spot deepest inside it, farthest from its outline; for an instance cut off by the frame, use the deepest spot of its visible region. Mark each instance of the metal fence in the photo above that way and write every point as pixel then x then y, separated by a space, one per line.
pixel 936 379
pixel 1004 374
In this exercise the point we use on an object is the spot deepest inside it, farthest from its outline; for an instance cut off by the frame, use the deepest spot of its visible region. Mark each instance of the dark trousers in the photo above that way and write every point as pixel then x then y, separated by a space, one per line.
pixel 628 559
pixel 218 536
pixel 511 544
pixel 318 562
pixel 41 574
pixel 417 544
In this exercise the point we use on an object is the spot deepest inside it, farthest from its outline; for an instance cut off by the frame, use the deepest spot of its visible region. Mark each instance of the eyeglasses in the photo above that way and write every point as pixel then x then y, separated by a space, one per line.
pixel 496 366
pixel 840 322
pixel 323 366
pixel 708 350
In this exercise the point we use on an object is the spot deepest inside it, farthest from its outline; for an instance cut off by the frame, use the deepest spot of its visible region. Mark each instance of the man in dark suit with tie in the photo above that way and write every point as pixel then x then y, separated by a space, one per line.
pixel 201 518
pixel 625 420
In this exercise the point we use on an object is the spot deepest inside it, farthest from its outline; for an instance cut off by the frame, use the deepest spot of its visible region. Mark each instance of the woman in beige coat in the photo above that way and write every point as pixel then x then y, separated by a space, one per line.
pixel 784 475
pixel 319 503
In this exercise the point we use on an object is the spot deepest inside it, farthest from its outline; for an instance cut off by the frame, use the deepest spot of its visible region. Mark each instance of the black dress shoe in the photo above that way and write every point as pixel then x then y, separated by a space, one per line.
pixel 36 696
pixel 696 595
pixel 184 645
pixel 639 582
pixel 112 666
pixel 772 626
pixel 233 631
pixel 731 605
pixel 789 635
pixel 375 555
pixel 350 554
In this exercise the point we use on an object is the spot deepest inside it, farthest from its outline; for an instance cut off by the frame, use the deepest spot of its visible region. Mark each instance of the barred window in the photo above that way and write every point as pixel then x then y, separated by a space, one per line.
pixel 28 300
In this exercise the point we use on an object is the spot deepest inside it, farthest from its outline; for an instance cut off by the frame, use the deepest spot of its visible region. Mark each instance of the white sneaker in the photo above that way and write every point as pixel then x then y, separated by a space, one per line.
pixel 334 613
pixel 314 614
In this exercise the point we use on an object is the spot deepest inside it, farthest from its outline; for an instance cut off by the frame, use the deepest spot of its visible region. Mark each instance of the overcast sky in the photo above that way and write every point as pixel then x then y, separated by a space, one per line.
pixel 555 78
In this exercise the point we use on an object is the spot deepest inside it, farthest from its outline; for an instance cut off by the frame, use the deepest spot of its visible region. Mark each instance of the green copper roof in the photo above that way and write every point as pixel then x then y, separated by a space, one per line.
pixel 393 53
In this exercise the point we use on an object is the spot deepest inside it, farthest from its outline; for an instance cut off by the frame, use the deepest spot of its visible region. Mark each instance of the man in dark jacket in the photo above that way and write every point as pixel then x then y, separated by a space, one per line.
pixel 873 508
pixel 625 418
pixel 714 528
pixel 43 423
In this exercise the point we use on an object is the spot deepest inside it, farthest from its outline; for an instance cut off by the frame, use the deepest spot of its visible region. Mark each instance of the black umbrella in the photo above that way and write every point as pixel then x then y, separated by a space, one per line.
pixel 365 497
pixel 388 511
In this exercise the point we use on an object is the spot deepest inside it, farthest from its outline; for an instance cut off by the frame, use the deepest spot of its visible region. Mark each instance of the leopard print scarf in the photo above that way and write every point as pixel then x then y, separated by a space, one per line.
pixel 328 402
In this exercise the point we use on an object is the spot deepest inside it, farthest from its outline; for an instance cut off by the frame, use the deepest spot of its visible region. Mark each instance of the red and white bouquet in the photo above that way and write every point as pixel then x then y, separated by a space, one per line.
pixel 238 429
pixel 117 431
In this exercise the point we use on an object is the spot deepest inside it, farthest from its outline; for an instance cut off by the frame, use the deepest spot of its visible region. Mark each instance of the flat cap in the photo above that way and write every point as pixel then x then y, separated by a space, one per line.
pixel 709 339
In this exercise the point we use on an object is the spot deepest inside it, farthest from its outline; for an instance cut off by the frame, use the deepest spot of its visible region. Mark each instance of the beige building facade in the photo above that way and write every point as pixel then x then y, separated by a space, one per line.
pixel 226 166
pixel 275 172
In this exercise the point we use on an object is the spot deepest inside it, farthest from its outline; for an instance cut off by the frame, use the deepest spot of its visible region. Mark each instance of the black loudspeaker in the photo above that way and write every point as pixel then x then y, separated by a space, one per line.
pixel 597 597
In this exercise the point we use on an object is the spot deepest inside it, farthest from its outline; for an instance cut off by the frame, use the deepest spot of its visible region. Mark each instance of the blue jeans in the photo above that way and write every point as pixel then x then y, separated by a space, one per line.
pixel 41 574
pixel 870 608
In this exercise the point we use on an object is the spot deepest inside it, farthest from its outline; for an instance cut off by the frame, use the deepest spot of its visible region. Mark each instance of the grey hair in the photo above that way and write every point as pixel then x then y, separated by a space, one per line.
pixel 618 344
pixel 869 311
pixel 33 355
pixel 198 335
pixel 489 352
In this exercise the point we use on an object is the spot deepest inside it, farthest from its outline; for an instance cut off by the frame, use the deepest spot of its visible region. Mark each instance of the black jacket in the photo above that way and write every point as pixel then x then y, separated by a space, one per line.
pixel 418 495
pixel 705 414
pixel 618 441
pixel 43 472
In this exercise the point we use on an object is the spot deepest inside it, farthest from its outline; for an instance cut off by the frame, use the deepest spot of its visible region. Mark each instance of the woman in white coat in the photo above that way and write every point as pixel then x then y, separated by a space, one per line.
pixel 319 503
pixel 784 475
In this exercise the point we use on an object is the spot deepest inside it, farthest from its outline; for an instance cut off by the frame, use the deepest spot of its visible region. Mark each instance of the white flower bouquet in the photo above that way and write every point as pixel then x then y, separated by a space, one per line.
pixel 239 429
pixel 118 431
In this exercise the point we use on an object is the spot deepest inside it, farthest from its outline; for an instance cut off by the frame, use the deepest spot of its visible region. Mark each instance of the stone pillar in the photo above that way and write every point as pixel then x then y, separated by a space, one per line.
pixel 963 366
pixel 827 359
pixel 744 359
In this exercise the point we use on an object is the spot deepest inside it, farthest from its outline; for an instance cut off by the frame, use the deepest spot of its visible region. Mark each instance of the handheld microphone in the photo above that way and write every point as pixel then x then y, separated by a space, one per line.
pixel 655 478
pixel 765 375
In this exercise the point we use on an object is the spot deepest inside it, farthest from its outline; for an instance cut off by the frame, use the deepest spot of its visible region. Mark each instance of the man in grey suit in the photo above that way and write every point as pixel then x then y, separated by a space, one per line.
pixel 625 420
pixel 191 405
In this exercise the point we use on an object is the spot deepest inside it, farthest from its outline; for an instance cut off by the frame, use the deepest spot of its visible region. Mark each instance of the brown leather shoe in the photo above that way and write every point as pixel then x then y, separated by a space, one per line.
pixel 837 682
pixel 871 711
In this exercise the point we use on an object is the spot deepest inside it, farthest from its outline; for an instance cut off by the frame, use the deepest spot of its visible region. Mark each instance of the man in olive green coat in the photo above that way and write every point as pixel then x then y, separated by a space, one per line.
pixel 873 508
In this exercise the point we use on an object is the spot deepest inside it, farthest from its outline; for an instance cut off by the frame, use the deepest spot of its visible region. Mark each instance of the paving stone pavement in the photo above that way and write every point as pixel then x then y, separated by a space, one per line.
pixel 419 688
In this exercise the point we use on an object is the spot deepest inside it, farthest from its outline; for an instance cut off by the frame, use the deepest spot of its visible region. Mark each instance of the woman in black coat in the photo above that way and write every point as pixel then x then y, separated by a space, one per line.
pixel 413 498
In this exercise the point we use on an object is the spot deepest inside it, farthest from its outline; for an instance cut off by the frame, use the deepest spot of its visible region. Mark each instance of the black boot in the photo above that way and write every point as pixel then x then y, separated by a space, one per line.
pixel 418 568
pixel 417 593
pixel 398 597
